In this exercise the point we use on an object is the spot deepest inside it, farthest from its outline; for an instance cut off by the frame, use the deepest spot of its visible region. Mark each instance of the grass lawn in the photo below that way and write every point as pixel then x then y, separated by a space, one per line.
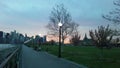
pixel 88 56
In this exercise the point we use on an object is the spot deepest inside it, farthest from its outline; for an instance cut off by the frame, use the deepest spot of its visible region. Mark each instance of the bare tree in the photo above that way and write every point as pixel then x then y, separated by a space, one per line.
pixel 75 40
pixel 114 16
pixel 60 14
pixel 102 37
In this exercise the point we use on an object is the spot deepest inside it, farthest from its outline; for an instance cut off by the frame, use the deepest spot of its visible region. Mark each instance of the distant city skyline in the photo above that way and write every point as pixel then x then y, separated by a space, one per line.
pixel 31 16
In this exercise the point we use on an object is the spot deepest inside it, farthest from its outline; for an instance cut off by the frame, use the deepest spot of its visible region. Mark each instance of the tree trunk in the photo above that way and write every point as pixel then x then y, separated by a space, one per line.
pixel 63 41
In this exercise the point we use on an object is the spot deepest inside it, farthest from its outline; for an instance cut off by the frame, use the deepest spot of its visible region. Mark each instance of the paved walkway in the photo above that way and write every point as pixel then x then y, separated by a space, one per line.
pixel 33 59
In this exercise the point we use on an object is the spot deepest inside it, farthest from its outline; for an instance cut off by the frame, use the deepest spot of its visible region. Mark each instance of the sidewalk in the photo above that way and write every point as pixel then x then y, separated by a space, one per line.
pixel 33 59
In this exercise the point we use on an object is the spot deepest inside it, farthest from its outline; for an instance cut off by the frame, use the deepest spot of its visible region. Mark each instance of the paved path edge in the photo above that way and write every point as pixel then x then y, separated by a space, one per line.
pixel 79 65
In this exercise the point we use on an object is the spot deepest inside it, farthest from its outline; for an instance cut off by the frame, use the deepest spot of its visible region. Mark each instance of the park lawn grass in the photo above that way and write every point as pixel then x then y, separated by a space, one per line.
pixel 88 56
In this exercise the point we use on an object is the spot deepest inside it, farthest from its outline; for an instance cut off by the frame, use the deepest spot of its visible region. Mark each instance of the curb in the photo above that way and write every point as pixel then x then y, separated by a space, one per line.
pixel 76 64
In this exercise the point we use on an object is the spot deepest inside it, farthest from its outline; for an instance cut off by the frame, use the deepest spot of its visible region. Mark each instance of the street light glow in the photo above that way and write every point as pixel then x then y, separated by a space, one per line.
pixel 60 24
pixel 40 34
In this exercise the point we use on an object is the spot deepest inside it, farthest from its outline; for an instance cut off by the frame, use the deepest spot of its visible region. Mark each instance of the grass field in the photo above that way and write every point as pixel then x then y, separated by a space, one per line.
pixel 88 56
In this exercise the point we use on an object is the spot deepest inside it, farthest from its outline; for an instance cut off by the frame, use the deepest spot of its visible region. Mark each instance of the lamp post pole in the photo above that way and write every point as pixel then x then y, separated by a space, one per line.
pixel 60 42
pixel 60 28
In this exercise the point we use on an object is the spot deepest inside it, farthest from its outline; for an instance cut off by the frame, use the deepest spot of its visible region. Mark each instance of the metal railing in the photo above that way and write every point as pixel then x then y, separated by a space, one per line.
pixel 13 59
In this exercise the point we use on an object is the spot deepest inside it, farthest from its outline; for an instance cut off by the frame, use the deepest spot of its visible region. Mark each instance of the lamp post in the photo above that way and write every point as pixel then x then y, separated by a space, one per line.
pixel 60 28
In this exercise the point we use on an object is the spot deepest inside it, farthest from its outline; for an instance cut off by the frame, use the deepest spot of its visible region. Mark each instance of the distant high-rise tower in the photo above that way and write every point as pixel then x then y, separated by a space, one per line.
pixel 1 36
pixel 44 39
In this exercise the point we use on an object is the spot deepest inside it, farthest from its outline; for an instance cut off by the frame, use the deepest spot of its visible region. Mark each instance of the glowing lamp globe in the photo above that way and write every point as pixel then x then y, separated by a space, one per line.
pixel 60 24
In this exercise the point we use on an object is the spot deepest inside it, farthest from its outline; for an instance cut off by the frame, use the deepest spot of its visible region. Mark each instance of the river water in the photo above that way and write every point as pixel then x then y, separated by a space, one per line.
pixel 4 46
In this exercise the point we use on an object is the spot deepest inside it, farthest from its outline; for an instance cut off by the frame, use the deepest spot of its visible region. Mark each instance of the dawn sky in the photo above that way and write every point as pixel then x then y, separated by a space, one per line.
pixel 31 16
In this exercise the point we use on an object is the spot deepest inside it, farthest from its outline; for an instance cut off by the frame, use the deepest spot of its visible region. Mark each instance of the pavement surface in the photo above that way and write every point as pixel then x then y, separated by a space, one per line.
pixel 33 59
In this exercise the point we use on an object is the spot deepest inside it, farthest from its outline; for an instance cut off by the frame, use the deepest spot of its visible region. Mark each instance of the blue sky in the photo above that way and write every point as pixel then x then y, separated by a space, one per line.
pixel 31 16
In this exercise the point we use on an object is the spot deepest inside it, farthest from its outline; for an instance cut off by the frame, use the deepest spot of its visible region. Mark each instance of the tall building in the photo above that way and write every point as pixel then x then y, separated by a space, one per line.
pixel 7 37
pixel 1 37
pixel 39 40
pixel 44 39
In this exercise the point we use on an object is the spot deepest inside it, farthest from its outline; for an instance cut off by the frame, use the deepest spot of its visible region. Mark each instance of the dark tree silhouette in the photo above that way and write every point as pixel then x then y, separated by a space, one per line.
pixel 75 40
pixel 60 14
pixel 114 16
pixel 102 36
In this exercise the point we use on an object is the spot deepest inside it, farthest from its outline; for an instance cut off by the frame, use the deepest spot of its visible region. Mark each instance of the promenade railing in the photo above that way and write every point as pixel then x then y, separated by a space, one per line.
pixel 13 59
